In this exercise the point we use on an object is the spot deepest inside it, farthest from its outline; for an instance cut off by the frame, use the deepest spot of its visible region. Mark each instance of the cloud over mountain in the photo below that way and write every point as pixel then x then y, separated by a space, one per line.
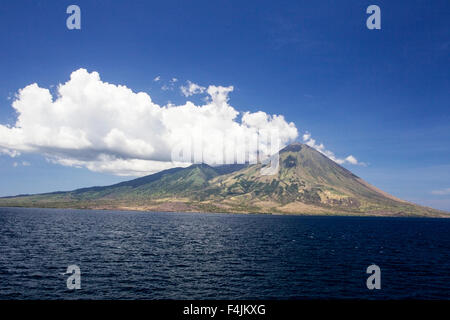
pixel 307 139
pixel 109 128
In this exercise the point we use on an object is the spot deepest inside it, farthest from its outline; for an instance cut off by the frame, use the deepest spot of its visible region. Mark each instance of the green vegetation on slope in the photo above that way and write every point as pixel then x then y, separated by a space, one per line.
pixel 307 182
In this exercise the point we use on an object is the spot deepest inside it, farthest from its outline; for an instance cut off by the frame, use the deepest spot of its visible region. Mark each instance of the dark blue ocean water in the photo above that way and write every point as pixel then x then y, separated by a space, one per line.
pixel 145 255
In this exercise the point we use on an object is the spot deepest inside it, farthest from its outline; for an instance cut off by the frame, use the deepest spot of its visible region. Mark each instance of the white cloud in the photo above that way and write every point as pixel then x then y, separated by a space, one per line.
pixel 191 89
pixel 119 166
pixel 11 153
pixel 109 128
pixel 23 163
pixel 169 86
pixel 307 139
pixel 442 192
pixel 157 78
pixel 351 159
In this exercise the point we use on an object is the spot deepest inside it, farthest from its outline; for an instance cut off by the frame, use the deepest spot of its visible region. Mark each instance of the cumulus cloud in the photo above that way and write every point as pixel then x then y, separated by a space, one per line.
pixel 157 78
pixel 11 153
pixel 191 89
pixel 109 128
pixel 165 87
pixel 442 192
pixel 308 140
pixel 23 163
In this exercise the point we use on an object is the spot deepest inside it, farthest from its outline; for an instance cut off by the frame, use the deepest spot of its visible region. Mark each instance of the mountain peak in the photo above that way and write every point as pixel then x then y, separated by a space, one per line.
pixel 293 147
pixel 200 166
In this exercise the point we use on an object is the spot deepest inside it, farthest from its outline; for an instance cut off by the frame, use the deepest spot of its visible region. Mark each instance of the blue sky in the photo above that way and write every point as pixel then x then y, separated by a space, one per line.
pixel 380 95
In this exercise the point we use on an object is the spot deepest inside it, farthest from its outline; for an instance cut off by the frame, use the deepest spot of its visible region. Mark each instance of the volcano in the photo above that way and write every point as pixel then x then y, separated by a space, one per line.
pixel 306 182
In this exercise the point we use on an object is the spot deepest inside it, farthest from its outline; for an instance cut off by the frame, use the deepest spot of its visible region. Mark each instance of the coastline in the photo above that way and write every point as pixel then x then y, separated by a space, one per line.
pixel 303 214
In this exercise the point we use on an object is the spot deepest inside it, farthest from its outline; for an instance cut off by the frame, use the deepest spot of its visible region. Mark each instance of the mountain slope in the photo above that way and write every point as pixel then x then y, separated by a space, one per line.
pixel 307 182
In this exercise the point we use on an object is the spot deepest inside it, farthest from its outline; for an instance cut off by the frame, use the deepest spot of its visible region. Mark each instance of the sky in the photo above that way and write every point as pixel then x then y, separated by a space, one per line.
pixel 107 102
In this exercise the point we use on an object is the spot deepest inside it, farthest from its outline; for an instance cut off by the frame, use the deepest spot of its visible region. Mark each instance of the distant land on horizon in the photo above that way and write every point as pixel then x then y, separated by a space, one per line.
pixel 307 182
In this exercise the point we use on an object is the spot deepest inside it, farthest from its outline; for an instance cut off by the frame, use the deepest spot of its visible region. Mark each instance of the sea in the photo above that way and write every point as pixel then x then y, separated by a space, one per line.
pixel 178 255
